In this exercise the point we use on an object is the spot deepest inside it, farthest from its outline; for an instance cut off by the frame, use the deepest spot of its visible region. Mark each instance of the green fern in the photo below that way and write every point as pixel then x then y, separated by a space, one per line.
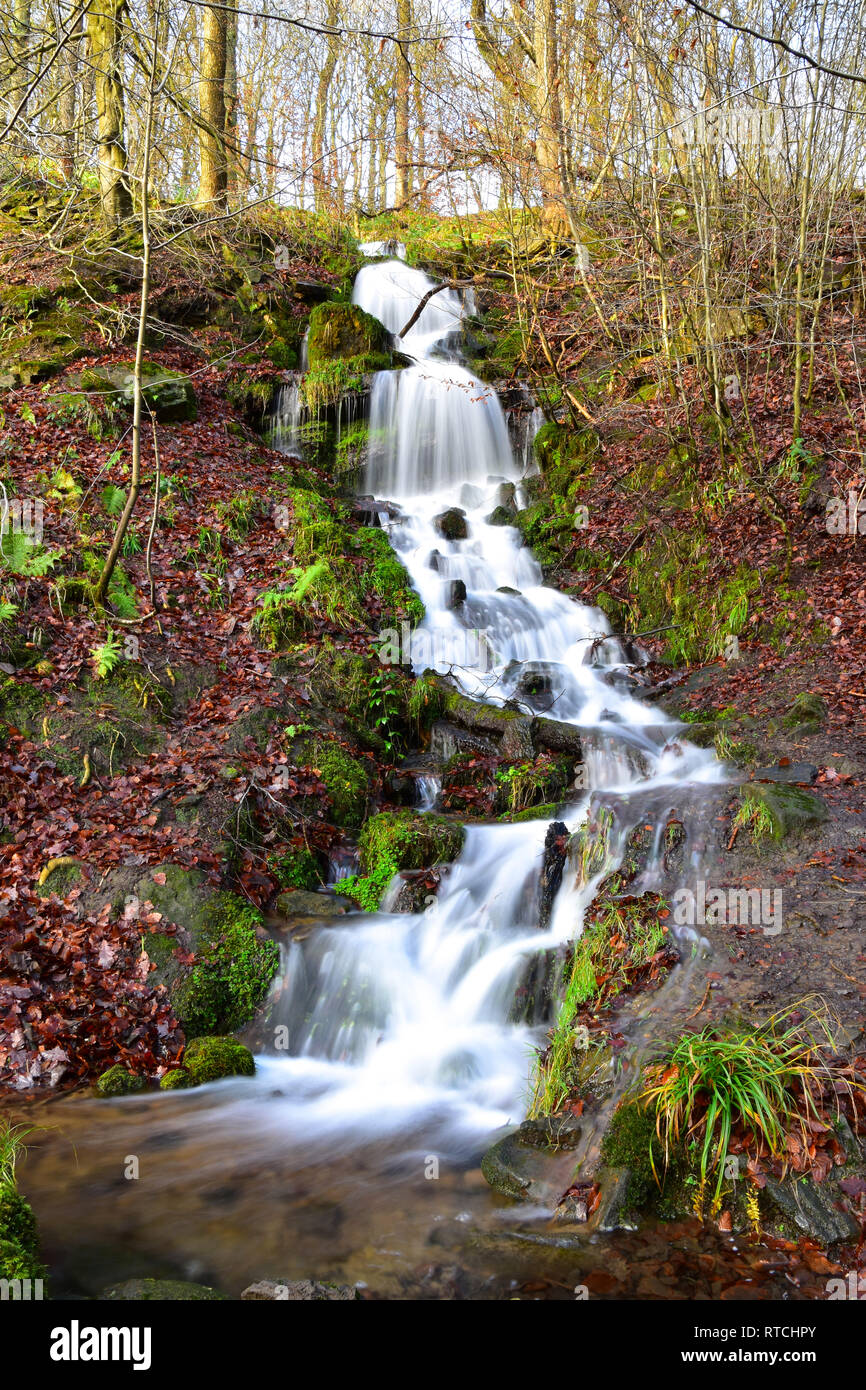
pixel 113 499
pixel 7 610
pixel 26 557
pixel 106 656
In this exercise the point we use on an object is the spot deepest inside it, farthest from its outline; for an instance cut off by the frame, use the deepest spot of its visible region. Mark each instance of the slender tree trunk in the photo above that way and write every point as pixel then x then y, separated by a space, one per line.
pixel 231 100
pixel 321 196
pixel 402 152
pixel 104 30
pixel 212 109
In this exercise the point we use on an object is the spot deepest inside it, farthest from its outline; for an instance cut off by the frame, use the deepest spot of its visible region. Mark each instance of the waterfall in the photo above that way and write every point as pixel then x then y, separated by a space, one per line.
pixel 400 1022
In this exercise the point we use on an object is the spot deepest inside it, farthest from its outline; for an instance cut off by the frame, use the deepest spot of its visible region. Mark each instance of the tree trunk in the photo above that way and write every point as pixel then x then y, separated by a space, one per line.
pixel 104 23
pixel 231 99
pixel 212 109
pixel 402 152
pixel 320 119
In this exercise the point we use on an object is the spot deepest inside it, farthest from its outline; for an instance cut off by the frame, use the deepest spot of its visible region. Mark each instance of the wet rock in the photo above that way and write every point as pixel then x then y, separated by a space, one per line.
pixel 802 773
pixel 551 1132
pixel 791 808
pixel 812 1208
pixel 455 593
pixel 413 890
pixel 555 852
pixel 501 1166
pixel 298 1291
pixel 301 903
pixel 452 524
pixel 160 1291
pixel 674 847
pixel 500 516
pixel 558 737
pixel 537 684
pixel 614 1211
pixel 447 740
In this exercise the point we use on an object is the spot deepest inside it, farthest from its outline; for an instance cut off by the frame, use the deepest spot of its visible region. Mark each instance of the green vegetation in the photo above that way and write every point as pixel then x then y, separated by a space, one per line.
pixel 395 840
pixel 767 1078
pixel 232 973
pixel 212 1058
pixel 119 1081
pixel 346 780
pixel 19 1240
pixel 297 869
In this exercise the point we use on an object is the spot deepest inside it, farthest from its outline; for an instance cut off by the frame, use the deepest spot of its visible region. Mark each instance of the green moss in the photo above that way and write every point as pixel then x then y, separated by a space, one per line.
pixel 297 869
pixel 19 1238
pixel 395 840
pixel 212 1058
pixel 631 1142
pixel 807 714
pixel 22 705
pixel 546 811
pixel 233 970
pixel 177 1080
pixel 60 881
pixel 117 1081
pixel 385 576
pixel 345 778
pixel 776 809
pixel 344 331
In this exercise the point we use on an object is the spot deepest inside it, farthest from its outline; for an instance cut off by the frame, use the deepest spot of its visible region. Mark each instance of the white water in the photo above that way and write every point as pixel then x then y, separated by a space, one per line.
pixel 399 1023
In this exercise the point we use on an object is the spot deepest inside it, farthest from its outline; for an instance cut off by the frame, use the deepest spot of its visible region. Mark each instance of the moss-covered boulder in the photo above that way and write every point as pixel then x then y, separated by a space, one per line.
pixel 211 1059
pixel 395 840
pixel 118 1081
pixel 179 1079
pixel 160 1291
pixel 788 809
pixel 169 394
pixel 807 714
pixel 340 330
pixel 346 780
pixel 19 1237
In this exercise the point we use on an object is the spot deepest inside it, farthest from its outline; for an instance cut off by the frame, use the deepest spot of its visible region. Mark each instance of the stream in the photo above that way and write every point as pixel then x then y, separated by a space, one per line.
pixel 353 1154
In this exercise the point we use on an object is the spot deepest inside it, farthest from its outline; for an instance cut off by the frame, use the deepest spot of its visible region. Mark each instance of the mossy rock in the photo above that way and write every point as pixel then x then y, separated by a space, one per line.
pixel 340 330
pixel 117 1081
pixel 791 809
pixel 233 966
pixel 169 394
pixel 19 1237
pixel 807 714
pixel 395 840
pixel 160 1291
pixel 212 1058
pixel 409 840
pixel 346 780
pixel 179 1079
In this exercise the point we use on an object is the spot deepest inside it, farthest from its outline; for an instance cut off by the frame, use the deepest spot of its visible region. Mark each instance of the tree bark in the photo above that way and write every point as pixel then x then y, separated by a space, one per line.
pixel 104 38
pixel 321 196
pixel 213 181
pixel 402 153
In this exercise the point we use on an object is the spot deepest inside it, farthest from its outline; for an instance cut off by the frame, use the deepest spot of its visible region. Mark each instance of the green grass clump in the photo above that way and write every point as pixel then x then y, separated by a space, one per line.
pixel 297 869
pixel 768 1078
pixel 19 1240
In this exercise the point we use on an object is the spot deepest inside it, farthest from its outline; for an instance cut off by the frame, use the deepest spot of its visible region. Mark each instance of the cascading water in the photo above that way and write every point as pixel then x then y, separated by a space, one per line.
pixel 400 1023
pixel 391 1039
